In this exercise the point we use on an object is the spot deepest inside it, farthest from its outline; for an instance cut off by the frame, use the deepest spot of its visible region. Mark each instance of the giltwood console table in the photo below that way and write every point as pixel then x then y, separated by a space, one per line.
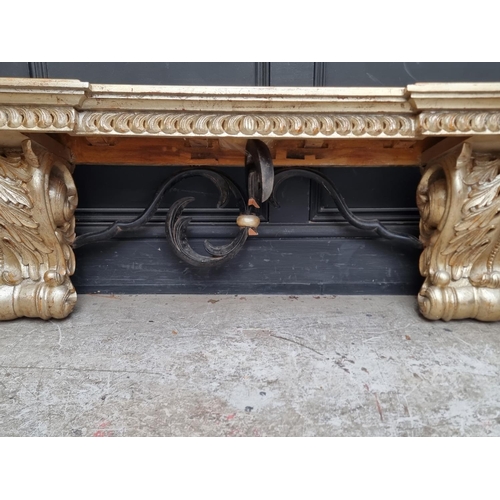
pixel 451 130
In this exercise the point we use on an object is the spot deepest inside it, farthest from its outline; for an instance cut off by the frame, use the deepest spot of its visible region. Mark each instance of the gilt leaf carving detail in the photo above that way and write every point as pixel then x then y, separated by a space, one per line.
pixel 19 231
pixel 481 215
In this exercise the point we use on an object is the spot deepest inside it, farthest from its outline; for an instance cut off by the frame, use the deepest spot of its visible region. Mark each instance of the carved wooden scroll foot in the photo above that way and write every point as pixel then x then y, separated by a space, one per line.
pixel 37 228
pixel 459 202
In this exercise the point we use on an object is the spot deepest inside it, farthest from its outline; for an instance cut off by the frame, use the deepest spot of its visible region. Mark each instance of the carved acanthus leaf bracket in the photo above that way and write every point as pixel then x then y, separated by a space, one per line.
pixel 459 202
pixel 37 228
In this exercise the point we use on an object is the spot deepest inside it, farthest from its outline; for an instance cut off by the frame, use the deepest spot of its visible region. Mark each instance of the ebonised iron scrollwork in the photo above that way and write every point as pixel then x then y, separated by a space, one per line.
pixel 260 173
pixel 262 185
pixel 364 224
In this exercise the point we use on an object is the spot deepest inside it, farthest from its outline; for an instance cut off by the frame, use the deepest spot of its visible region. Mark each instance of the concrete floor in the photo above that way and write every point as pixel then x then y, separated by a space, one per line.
pixel 249 366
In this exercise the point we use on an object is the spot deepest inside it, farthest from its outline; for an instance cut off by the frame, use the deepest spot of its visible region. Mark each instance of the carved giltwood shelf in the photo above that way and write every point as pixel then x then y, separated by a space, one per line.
pixel 451 130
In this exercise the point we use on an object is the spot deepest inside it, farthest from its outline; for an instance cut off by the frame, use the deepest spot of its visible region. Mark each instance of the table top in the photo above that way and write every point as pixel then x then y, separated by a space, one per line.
pixel 81 108
pixel 312 125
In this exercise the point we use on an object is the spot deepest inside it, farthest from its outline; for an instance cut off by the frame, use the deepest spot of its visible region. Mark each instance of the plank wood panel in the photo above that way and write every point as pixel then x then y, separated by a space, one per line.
pixel 231 152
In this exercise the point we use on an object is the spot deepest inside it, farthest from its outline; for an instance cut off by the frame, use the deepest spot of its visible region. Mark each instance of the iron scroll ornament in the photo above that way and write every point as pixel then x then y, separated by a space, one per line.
pixel 373 225
pixel 176 224
pixel 262 185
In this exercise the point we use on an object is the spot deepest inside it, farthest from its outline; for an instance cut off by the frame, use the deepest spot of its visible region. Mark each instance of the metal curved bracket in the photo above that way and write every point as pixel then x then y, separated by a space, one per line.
pixel 260 185
pixel 364 224
pixel 260 172
pixel 176 232
pixel 176 224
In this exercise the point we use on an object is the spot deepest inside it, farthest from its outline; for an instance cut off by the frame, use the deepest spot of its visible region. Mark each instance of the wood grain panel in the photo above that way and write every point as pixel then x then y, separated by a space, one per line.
pixel 231 152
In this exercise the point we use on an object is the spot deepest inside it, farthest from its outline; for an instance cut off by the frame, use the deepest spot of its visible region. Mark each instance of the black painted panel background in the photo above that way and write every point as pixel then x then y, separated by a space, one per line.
pixel 244 74
pixel 14 70
pixel 248 73
pixel 402 74
pixel 303 247
pixel 266 265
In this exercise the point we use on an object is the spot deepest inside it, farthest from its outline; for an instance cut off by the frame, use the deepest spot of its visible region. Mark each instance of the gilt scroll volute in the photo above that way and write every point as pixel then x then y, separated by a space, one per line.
pixel 37 228
pixel 459 202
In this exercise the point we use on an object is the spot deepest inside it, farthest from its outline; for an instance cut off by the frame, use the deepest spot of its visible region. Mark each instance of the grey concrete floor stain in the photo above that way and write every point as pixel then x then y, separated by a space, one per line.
pixel 197 365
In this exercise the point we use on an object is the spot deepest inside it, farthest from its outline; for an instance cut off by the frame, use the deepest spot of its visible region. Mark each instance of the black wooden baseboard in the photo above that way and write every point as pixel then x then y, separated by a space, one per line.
pixel 266 265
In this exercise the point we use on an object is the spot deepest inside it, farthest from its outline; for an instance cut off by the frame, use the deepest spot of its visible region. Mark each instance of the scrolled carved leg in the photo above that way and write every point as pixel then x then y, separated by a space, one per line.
pixel 459 202
pixel 37 228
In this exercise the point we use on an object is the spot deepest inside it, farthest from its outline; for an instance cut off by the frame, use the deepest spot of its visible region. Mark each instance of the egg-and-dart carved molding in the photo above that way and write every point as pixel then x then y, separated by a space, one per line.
pixel 37 119
pixel 261 125
pixel 453 122
pixel 131 123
